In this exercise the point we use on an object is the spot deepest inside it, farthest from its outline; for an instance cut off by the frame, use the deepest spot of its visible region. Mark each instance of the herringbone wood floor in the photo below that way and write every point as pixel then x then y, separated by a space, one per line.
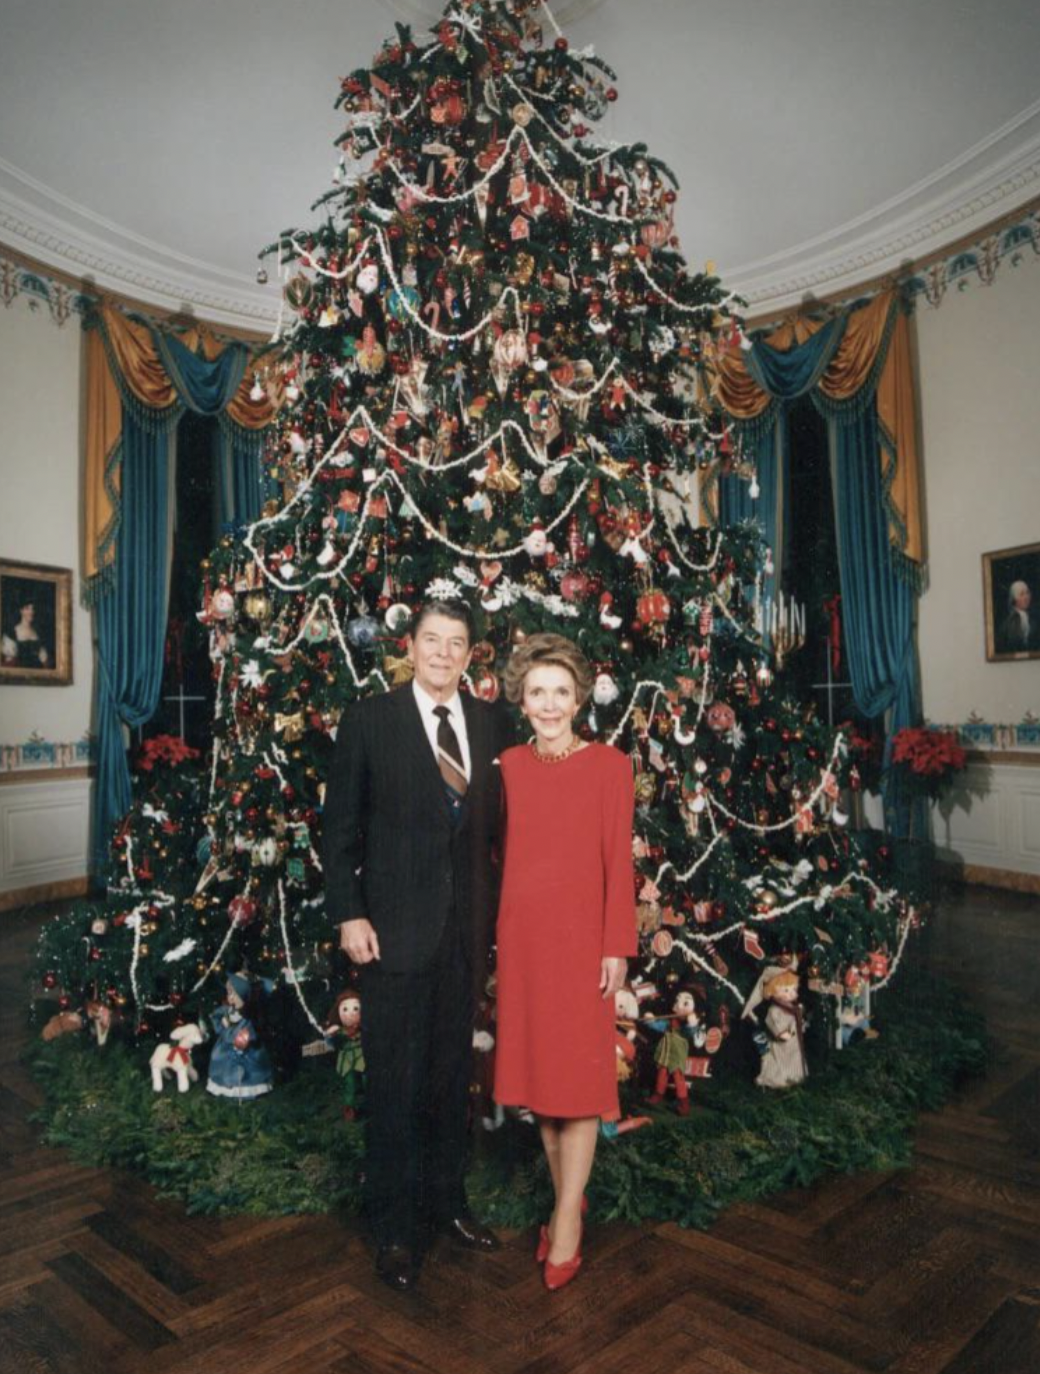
pixel 936 1269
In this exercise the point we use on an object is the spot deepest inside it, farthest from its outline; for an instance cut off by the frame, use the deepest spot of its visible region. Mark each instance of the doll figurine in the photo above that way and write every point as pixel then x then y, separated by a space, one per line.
pixel 854 1010
pixel 239 1066
pixel 345 1026
pixel 626 1014
pixel 680 1032
pixel 783 1063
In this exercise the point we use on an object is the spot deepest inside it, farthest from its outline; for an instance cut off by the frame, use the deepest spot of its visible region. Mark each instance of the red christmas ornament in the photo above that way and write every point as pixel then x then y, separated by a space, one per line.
pixel 653 608
pixel 242 910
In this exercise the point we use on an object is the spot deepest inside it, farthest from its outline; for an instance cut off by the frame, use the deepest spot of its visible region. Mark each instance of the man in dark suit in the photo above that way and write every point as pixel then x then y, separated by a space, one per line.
pixel 412 816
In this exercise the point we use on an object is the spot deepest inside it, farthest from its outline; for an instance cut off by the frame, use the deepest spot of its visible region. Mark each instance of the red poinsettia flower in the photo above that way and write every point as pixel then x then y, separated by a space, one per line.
pixel 930 755
pixel 164 749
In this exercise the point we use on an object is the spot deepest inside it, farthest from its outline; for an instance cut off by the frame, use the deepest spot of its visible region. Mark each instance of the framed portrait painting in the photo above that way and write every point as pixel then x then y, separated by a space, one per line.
pixel 35 624
pixel 1011 590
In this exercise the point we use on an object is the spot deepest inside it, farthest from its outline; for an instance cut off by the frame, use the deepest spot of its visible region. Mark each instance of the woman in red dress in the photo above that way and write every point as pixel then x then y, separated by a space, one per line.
pixel 566 926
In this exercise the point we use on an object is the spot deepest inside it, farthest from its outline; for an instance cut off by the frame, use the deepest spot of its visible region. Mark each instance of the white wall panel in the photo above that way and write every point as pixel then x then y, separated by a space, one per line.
pixel 44 832
pixel 995 821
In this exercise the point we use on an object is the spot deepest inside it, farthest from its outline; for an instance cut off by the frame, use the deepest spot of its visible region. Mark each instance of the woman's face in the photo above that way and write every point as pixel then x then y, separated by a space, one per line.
pixel 550 702
pixel 28 613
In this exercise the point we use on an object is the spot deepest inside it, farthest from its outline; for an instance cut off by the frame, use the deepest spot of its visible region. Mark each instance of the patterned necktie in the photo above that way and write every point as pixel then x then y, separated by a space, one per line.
pixel 449 755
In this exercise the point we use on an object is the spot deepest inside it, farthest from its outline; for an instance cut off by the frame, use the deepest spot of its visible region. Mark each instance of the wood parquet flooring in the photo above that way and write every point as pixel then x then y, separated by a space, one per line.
pixel 911 1272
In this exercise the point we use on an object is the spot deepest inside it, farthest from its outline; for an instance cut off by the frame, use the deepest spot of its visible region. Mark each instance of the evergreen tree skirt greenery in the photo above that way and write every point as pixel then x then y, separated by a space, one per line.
pixel 293 1152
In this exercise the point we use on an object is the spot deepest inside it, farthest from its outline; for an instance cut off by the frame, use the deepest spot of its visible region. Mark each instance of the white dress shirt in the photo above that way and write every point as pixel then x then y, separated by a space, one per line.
pixel 456 718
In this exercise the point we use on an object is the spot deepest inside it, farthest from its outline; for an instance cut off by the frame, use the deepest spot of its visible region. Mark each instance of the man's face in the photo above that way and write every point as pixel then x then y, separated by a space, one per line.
pixel 440 653
pixel 1023 598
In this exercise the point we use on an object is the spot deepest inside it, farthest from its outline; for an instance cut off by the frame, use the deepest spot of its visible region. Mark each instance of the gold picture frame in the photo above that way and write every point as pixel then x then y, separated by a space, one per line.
pixel 35 624
pixel 1011 601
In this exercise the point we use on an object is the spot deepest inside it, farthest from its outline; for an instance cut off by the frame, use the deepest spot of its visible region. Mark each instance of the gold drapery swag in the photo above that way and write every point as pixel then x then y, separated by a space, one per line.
pixel 866 332
pixel 130 346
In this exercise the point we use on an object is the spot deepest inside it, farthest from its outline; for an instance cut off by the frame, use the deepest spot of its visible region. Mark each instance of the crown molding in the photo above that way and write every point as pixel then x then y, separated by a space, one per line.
pixel 990 181
pixel 997 176
pixel 56 231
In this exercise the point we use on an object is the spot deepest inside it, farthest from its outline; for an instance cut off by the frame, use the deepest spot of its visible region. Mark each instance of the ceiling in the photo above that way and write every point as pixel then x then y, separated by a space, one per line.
pixel 155 148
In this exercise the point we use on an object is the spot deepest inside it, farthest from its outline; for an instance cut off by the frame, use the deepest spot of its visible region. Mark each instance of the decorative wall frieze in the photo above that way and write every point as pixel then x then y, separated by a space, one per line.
pixel 977 733
pixel 39 755
pixel 37 290
pixel 978 264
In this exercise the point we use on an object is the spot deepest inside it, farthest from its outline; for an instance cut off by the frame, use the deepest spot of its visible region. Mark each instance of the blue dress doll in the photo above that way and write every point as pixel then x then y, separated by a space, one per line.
pixel 239 1066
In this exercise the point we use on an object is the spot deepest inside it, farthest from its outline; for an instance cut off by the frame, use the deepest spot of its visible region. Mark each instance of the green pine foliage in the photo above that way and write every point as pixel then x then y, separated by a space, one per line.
pixel 292 1152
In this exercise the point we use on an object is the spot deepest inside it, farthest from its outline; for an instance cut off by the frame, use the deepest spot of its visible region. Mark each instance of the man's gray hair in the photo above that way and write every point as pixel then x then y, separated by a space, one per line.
pixel 1015 589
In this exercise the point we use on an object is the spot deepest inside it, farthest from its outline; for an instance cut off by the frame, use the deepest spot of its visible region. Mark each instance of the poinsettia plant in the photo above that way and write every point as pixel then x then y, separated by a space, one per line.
pixel 169 749
pixel 929 757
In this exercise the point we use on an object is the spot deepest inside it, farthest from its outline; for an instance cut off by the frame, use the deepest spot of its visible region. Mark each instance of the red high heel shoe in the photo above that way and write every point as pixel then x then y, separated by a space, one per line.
pixel 556 1276
pixel 541 1254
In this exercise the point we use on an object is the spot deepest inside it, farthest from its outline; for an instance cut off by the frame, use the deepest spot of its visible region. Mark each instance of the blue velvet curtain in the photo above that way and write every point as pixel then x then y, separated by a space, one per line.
pixel 879 605
pixel 791 373
pixel 241 482
pixel 131 614
pixel 786 376
pixel 204 386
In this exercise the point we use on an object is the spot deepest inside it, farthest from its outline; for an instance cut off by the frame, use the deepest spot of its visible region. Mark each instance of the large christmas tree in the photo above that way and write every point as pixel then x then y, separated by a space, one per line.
pixel 496 372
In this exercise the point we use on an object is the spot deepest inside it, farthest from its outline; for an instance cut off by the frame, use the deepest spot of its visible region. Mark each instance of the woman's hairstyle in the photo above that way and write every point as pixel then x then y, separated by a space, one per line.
pixel 542 650
pixel 453 609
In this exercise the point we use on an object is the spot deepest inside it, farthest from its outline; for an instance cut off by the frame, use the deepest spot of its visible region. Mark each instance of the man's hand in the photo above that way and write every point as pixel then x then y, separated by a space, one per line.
pixel 359 940
pixel 612 976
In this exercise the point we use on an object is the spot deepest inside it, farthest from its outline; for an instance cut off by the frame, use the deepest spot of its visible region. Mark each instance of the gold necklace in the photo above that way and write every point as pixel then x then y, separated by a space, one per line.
pixel 572 748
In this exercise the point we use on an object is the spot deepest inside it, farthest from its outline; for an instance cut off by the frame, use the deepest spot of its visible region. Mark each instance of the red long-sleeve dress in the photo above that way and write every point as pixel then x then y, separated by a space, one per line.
pixel 568 901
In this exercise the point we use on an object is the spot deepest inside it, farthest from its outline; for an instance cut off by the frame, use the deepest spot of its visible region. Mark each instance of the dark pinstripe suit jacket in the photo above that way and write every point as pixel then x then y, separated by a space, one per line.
pixel 391 851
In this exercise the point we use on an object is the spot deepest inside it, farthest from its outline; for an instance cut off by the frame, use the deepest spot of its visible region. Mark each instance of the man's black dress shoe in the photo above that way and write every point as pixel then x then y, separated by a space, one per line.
pixel 397 1266
pixel 467 1231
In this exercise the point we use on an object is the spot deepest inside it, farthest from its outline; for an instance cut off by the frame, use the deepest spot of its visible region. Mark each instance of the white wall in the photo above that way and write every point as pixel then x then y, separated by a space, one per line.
pixel 979 380
pixel 40 428
pixel 43 822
